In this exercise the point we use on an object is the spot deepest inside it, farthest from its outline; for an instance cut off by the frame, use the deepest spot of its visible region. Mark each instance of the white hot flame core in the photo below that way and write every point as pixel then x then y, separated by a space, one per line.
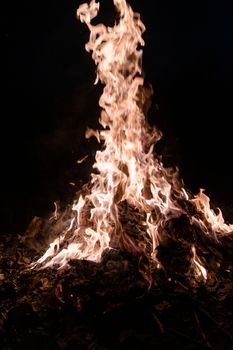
pixel 126 168
pixel 200 268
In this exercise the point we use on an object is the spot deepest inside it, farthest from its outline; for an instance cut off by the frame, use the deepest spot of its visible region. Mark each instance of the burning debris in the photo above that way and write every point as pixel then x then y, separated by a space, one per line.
pixel 127 177
pixel 132 238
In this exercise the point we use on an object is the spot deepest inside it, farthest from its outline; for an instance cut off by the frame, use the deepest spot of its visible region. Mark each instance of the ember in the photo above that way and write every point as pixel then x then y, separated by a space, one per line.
pixel 134 243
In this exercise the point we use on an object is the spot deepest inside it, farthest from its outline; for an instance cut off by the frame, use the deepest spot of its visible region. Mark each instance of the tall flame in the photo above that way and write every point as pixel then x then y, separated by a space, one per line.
pixel 126 169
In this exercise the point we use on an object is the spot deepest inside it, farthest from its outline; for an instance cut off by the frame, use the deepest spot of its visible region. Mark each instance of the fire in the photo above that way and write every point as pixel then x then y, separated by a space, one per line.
pixel 216 221
pixel 199 267
pixel 125 169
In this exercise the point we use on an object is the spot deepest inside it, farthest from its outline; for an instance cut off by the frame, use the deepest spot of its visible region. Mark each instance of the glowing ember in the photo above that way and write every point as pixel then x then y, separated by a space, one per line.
pixel 126 169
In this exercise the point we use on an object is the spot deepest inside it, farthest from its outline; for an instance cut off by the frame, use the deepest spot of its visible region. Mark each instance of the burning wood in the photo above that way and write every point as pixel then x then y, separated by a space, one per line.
pixel 133 235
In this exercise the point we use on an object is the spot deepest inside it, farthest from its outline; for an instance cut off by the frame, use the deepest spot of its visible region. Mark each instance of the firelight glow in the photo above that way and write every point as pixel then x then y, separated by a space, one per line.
pixel 126 168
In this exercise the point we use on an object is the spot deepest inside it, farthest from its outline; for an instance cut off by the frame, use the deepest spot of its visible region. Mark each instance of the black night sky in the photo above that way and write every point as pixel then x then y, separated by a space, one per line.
pixel 48 99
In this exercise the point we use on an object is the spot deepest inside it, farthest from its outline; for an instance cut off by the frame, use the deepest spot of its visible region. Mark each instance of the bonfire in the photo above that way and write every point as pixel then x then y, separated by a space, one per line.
pixel 134 234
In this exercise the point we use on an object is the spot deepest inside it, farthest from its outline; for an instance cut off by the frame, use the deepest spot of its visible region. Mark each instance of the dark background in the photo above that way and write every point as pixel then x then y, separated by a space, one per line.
pixel 48 99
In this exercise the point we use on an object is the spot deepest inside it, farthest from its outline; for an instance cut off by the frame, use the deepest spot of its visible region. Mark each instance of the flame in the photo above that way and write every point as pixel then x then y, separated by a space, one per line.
pixel 199 267
pixel 216 221
pixel 125 169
